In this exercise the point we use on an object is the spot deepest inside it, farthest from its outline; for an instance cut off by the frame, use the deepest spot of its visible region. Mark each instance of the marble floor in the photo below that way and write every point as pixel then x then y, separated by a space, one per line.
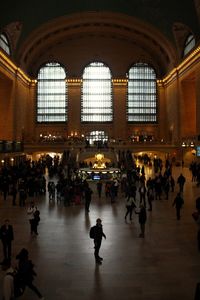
pixel 164 265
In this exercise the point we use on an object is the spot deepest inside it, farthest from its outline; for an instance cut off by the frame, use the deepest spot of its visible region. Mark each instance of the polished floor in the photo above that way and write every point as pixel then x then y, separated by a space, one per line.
pixel 164 265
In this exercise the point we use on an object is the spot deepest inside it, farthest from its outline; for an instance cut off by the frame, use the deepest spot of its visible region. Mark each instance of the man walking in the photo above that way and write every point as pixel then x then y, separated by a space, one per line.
pixel 6 236
pixel 96 232
pixel 88 198
pixel 178 203
pixel 181 182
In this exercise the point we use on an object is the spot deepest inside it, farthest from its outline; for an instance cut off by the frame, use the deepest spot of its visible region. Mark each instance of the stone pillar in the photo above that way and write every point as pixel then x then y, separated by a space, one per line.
pixel 164 132
pixel 7 87
pixel 74 107
pixel 197 89
pixel 119 107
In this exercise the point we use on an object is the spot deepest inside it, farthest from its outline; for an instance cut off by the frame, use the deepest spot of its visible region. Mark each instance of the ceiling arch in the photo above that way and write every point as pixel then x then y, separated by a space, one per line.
pixel 137 34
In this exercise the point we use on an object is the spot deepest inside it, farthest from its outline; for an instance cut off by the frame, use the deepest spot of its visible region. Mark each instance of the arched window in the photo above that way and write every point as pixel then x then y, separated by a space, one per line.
pixel 96 101
pixel 142 94
pixel 4 43
pixel 51 93
pixel 189 44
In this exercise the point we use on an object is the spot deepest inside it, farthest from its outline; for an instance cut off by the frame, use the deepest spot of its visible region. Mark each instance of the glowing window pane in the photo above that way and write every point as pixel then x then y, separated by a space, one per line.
pixel 4 43
pixel 189 44
pixel 96 101
pixel 51 94
pixel 95 136
pixel 142 94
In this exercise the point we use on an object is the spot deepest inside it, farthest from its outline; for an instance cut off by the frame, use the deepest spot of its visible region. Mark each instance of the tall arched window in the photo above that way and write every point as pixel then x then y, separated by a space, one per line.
pixel 189 44
pixel 96 101
pixel 51 93
pixel 4 43
pixel 142 94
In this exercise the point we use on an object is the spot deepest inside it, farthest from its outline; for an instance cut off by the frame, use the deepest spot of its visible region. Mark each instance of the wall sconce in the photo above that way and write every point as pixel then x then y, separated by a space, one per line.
pixel 192 144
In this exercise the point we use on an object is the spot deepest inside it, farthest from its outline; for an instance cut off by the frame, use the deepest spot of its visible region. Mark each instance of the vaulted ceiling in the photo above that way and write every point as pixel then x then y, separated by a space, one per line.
pixel 43 30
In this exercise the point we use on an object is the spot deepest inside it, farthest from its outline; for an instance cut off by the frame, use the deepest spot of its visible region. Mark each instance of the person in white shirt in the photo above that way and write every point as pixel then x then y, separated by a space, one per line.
pixel 8 281
pixel 30 212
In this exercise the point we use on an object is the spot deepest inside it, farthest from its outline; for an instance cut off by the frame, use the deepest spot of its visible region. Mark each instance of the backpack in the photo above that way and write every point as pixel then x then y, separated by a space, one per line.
pixel 92 232
pixel 19 286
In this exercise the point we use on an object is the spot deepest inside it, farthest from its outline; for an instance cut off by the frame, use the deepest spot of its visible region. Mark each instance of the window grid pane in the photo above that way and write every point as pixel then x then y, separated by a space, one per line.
pixel 94 136
pixel 142 94
pixel 4 44
pixel 51 94
pixel 96 100
pixel 189 44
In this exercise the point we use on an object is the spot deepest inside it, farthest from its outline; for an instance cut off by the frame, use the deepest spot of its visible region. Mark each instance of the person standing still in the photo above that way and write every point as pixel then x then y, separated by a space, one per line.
pixel 6 236
pixel 142 219
pixel 30 212
pixel 98 234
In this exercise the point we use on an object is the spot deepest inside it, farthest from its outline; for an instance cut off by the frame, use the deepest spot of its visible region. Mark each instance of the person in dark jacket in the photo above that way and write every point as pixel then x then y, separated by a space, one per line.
pixel 99 188
pixel 26 271
pixel 178 203
pixel 6 236
pixel 88 198
pixel 181 182
pixel 35 221
pixel 98 234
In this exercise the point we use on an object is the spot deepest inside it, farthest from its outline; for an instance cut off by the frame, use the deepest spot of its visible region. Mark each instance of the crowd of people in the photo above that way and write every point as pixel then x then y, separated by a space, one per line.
pixel 63 184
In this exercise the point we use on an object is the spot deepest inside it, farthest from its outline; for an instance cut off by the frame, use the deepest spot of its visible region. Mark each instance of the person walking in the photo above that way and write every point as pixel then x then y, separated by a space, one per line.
pixel 196 216
pixel 178 203
pixel 130 205
pixel 99 188
pixel 8 281
pixel 22 193
pixel 88 198
pixel 150 197
pixel 181 182
pixel 26 271
pixel 14 194
pixel 142 191
pixel 35 221
pixel 6 236
pixel 172 183
pixel 142 219
pixel 97 236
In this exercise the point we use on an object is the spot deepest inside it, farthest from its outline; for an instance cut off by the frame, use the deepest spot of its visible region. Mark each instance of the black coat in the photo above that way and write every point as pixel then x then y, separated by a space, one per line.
pixel 6 233
pixel 178 201
pixel 98 233
pixel 142 216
